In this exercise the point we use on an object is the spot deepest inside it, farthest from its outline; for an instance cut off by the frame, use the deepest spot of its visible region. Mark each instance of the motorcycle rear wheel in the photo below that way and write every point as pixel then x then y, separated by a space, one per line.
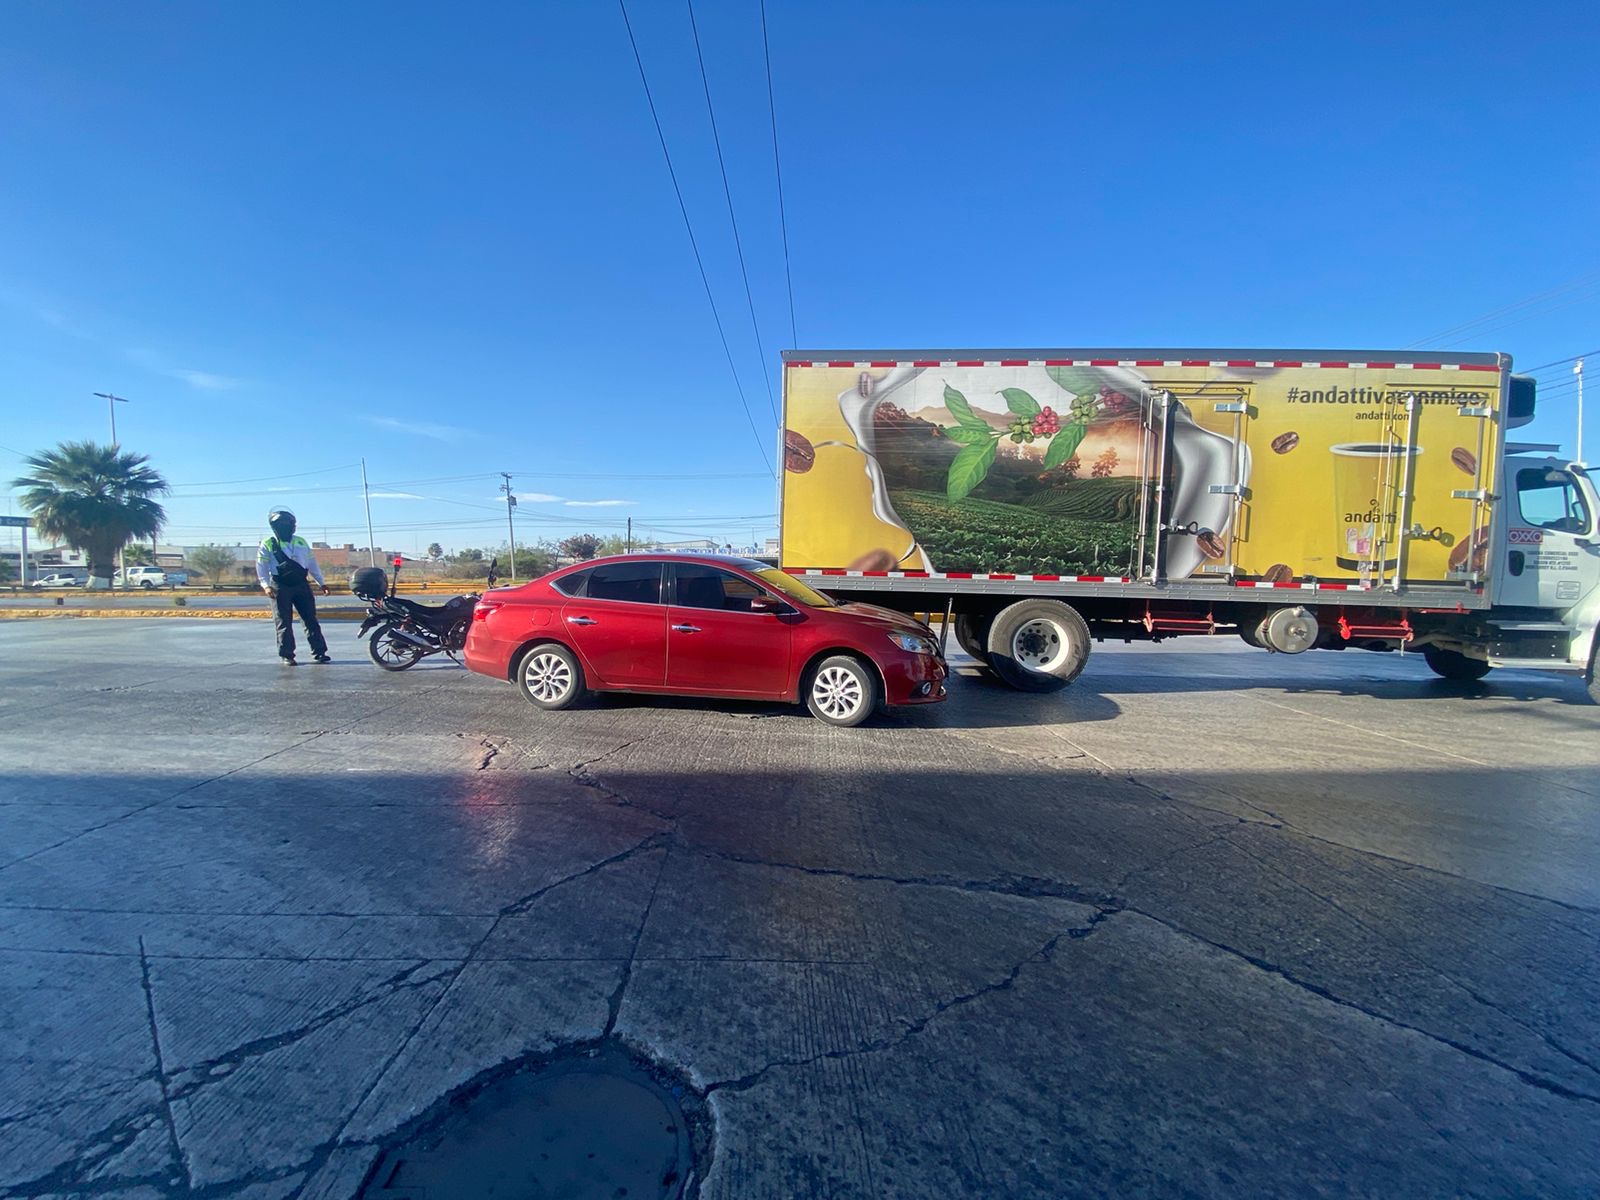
pixel 393 653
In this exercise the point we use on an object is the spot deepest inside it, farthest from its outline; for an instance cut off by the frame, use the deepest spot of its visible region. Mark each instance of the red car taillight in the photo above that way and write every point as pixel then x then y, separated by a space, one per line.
pixel 484 608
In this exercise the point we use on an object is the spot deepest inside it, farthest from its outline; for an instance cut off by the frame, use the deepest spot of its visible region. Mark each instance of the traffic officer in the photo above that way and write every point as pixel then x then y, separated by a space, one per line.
pixel 285 567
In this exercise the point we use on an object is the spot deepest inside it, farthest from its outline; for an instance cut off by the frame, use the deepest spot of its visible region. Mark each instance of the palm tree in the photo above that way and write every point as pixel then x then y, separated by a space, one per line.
pixel 94 498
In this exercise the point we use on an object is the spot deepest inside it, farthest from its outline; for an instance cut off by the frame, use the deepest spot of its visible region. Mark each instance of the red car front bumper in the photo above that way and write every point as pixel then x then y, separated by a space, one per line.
pixel 913 679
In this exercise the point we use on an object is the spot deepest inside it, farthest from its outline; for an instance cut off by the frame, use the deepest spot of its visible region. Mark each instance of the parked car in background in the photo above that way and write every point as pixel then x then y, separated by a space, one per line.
pixel 701 625
pixel 57 579
pixel 143 577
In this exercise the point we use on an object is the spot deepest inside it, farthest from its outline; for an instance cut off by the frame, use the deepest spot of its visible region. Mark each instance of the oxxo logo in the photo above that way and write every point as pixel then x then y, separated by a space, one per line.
pixel 1527 537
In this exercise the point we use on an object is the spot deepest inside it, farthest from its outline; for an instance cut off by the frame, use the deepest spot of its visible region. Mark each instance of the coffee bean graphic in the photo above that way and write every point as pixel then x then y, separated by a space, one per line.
pixel 1278 573
pixel 798 456
pixel 1285 442
pixel 1465 459
pixel 1210 544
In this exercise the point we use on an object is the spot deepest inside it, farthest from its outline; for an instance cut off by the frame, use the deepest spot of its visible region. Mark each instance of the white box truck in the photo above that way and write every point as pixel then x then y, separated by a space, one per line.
pixel 1303 499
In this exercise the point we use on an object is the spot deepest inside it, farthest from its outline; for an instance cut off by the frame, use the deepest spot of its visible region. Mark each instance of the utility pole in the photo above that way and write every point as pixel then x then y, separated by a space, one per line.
pixel 372 546
pixel 630 535
pixel 1578 371
pixel 111 407
pixel 511 529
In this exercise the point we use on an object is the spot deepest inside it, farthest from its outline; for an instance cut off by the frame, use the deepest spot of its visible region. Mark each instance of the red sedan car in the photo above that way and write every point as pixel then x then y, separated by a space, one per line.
pixel 701 625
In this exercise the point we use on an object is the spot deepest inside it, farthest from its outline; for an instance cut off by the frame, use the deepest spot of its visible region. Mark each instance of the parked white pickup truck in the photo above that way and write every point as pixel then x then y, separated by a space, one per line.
pixel 144 577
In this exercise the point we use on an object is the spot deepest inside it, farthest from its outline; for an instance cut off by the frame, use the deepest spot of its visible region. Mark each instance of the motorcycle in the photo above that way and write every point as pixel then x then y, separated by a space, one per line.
pixel 404 632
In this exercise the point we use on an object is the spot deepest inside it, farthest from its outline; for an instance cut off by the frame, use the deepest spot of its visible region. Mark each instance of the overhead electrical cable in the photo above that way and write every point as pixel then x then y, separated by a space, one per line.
pixel 267 478
pixel 777 169
pixel 1559 289
pixel 727 192
pixel 1560 362
pixel 688 226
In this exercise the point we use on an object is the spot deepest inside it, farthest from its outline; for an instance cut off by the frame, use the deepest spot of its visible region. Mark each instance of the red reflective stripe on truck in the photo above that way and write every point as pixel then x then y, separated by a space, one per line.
pixel 926 362
pixel 969 362
pixel 1427 366
pixel 841 364
pixel 1478 367
pixel 1013 362
pixel 797 364
pixel 882 364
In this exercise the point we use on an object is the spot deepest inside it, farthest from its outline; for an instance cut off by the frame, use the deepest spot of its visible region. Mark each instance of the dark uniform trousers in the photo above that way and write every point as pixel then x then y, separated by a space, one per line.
pixel 289 600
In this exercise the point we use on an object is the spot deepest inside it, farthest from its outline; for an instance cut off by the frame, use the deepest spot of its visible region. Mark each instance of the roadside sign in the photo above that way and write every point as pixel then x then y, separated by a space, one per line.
pixel 16 522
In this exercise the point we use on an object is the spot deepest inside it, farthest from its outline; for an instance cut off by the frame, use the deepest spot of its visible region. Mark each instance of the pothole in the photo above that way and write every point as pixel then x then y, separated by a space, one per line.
pixel 598 1122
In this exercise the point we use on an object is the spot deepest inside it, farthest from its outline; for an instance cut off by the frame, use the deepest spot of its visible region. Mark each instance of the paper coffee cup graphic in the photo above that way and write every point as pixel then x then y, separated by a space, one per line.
pixel 1367 479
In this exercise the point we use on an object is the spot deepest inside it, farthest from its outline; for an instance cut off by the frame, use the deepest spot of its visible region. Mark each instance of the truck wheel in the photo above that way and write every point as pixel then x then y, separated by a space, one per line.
pixel 1452 664
pixel 972 633
pixel 1038 645
pixel 1593 677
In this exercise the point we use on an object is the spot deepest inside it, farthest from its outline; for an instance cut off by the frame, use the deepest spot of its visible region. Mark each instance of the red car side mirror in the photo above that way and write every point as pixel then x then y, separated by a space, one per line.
pixel 763 604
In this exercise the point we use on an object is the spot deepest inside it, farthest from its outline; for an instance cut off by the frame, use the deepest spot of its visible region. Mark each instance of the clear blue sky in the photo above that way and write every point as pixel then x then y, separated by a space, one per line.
pixel 443 237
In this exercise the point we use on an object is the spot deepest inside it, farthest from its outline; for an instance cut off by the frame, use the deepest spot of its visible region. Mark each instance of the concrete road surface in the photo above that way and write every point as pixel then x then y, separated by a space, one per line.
pixel 1210 923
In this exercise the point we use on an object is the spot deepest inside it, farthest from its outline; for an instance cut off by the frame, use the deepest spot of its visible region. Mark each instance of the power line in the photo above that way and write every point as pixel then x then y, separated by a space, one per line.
pixel 1557 363
pixel 777 168
pixel 268 478
pixel 1578 281
pixel 727 192
pixel 693 244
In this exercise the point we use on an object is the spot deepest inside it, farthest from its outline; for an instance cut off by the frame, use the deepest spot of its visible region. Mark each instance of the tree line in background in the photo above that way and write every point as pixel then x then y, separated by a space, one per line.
pixel 102 501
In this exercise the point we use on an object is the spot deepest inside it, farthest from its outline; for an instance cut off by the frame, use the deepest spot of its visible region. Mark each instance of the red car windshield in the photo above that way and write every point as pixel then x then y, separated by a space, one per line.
pixel 793 588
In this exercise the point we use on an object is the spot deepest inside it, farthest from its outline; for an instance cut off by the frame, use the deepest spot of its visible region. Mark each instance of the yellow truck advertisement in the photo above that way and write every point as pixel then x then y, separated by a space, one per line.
pixel 1261 468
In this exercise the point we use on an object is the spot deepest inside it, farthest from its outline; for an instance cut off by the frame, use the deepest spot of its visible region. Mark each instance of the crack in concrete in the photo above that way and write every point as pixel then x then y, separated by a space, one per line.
pixel 912 1029
pixel 203 1074
pixel 337 1142
pixel 1528 1077
pixel 614 1002
pixel 180 1162
pixel 580 774
pixel 1027 887
pixel 1378 935
pixel 71 1177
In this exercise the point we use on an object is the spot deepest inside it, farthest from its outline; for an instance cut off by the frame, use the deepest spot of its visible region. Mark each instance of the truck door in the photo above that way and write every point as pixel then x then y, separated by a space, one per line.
pixel 1551 556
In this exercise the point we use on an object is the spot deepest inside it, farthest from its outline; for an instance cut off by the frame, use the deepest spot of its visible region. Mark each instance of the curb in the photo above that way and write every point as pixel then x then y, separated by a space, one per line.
pixel 205 614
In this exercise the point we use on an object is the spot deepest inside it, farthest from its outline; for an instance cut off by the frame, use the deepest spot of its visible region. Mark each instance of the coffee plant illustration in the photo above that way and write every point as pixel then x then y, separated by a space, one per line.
pixel 1030 422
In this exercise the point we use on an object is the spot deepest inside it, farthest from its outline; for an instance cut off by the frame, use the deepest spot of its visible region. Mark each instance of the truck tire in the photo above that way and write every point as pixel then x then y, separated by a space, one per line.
pixel 1592 678
pixel 1038 645
pixel 972 633
pixel 1452 664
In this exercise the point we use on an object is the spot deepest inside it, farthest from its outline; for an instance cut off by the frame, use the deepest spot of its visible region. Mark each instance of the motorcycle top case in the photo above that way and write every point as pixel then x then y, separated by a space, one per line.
pixel 370 583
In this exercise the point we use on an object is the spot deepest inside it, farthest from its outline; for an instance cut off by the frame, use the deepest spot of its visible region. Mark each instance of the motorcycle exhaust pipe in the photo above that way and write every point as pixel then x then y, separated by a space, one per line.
pixel 396 631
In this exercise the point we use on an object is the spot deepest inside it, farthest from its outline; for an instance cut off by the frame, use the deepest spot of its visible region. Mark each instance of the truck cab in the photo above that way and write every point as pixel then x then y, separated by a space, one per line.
pixel 1546 571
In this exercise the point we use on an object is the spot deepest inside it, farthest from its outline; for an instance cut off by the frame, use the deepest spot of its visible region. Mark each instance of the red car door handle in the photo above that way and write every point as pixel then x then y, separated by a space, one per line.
pixel 686 629
pixel 582 621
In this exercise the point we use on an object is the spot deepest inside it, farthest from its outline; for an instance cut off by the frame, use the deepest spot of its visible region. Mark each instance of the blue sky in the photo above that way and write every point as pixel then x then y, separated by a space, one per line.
pixel 443 238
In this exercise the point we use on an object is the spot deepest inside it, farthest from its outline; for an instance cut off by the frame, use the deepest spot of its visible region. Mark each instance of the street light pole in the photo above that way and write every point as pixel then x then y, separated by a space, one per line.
pixel 366 496
pixel 111 407
pixel 1578 371
pixel 511 529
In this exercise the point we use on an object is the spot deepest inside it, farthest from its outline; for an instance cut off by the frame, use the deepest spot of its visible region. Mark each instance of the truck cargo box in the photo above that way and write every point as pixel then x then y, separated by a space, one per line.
pixel 1184 473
